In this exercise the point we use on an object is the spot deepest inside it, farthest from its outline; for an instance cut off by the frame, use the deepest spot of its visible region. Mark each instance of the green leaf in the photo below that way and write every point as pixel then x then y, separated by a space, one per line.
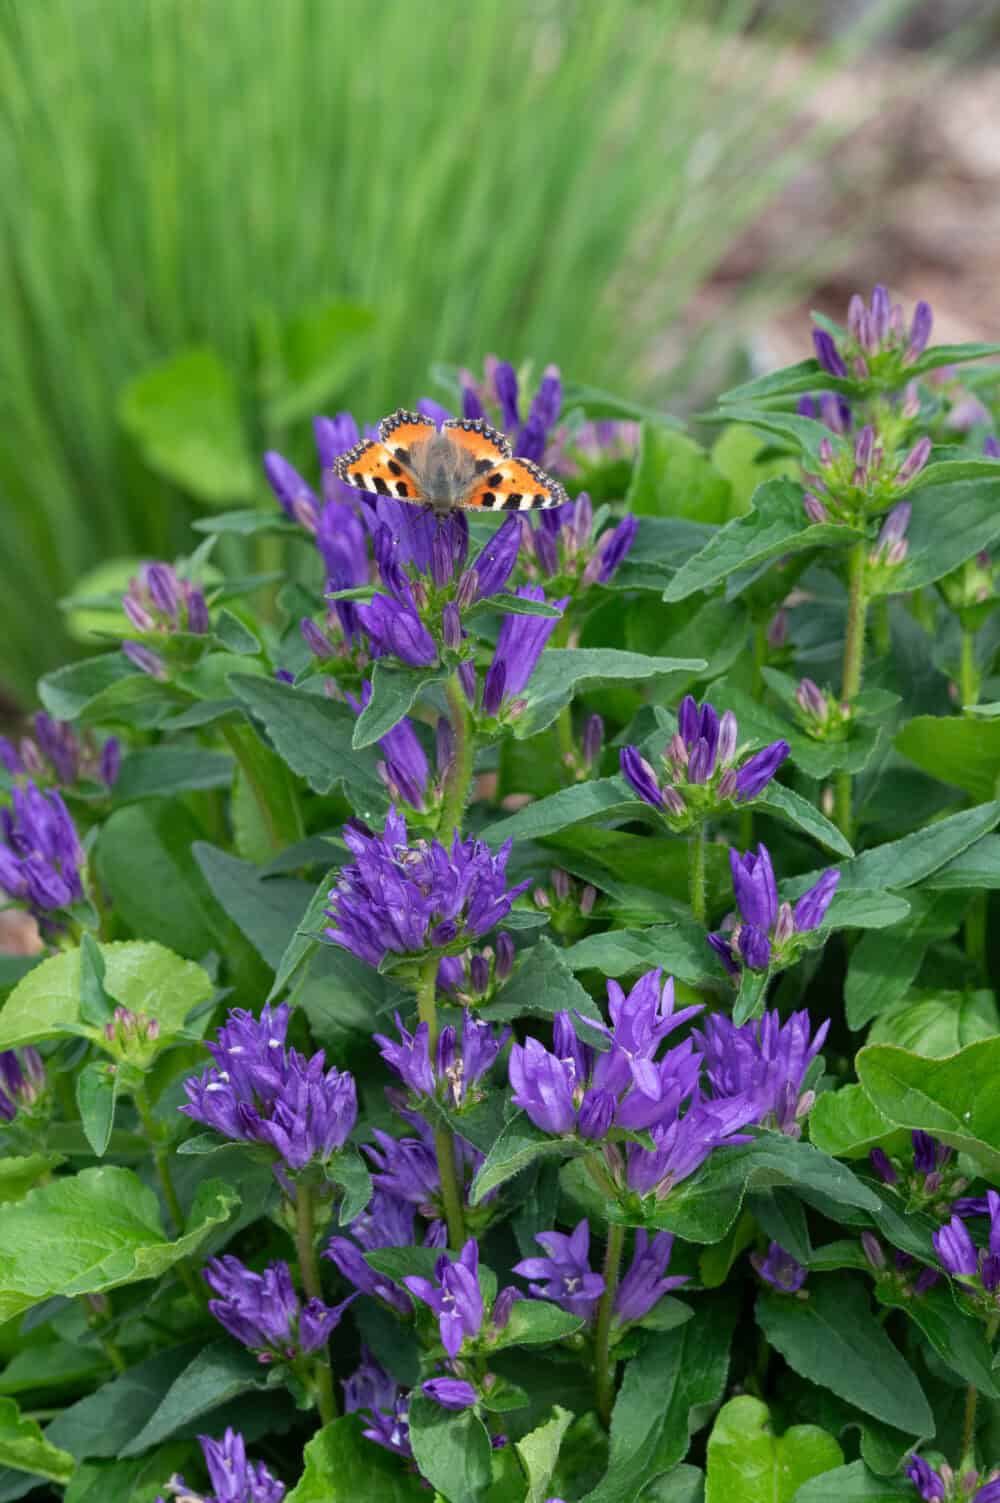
pixel 54 1366
pixel 855 1484
pixel 845 1124
pixel 96 1098
pixel 793 809
pixel 976 868
pixel 566 671
pixel 680 949
pixel 219 1372
pixel 954 1098
pixel 19 1173
pixel 184 417
pixel 605 404
pixel 139 1481
pixel 144 858
pixel 957 1337
pixel 538 1453
pixel 661 546
pixel 791 380
pixel 510 605
pixel 674 476
pixel 312 354
pixel 162 770
pixel 139 975
pixel 96 1007
pixel 582 803
pixel 303 942
pixel 661 1397
pixel 704 1207
pixel 776 525
pixel 950 522
pixel 833 1339
pixel 884 965
pixel 266 910
pixel 746 1460
pixel 938 1025
pixel 801 434
pixel 741 454
pixel 520 1144
pixel 312 734
pixel 86 690
pixel 234 635
pixel 751 996
pixel 452 1451
pixel 349 1170
pixel 100 1229
pixel 965 753
pixel 816 758
pixel 902 863
pixel 541 984
pixel 248 524
pixel 394 693
pixel 341 1466
pixel 24 1447
pixel 105 1421
pixel 534 1322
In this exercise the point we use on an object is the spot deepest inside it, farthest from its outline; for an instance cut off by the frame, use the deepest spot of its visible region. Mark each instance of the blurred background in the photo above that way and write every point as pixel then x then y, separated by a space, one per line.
pixel 221 216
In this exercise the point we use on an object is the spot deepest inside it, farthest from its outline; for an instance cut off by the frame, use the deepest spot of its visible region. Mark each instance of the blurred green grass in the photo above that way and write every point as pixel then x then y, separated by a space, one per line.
pixel 305 204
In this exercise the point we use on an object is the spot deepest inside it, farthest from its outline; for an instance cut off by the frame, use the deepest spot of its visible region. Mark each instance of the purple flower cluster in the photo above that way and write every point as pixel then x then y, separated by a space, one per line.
pixel 764 1059
pixel 602 442
pixel 406 1168
pixel 767 933
pixel 454 1296
pixel 40 851
pixel 520 644
pixel 234 1479
pixel 262 1310
pixel 565 1276
pixel 22 1081
pixel 371 1392
pixel 458 1063
pixel 877 340
pixel 577 1089
pixel 978 1269
pixel 910 1278
pixel 702 769
pixel 931 1180
pixel 862 477
pixel 940 1485
pixel 387 1221
pixel 259 1091
pixel 471 976
pixel 55 753
pixel 159 602
pixel 779 1269
pixel 565 546
pixel 498 398
pixel 398 898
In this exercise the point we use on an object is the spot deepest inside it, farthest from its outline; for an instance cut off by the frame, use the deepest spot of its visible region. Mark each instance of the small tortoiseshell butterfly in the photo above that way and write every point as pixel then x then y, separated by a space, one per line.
pixel 465 464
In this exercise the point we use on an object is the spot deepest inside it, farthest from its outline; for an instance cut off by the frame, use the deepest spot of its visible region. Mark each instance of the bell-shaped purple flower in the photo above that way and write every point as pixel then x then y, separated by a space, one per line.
pixel 955 1248
pixel 262 1310
pixel 451 1393
pixel 520 644
pixel 645 1283
pixel 755 888
pixel 683 1143
pixel 454 1296
pixel 564 1275
pixel 40 851
pixel 930 1485
pixel 765 1060
pixel 779 1269
pixel 234 1479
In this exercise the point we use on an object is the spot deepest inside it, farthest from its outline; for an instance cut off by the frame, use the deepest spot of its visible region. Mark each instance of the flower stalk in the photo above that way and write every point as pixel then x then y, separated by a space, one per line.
pixel 305 1246
pixel 604 1367
pixel 854 655
pixel 444 1142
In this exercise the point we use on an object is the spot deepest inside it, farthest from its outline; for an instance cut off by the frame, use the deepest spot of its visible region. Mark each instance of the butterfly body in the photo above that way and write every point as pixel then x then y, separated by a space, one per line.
pixel 466 465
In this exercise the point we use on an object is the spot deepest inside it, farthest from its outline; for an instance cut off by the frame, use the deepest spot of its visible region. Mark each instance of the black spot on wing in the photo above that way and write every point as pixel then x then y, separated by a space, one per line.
pixel 489 499
pixel 482 465
pixel 403 454
pixel 380 485
pixel 397 469
pixel 402 489
pixel 495 480
pixel 511 502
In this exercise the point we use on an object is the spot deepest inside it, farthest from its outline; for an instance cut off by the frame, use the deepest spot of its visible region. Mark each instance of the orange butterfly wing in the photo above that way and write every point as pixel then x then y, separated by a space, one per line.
pixel 484 443
pixel 516 485
pixel 374 466
pixel 403 430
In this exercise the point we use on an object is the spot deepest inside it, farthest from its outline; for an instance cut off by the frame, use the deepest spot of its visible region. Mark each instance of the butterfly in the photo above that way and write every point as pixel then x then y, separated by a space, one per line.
pixel 466 464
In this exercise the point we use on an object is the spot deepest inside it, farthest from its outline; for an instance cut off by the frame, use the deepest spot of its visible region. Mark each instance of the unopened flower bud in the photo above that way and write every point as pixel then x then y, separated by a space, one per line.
pixel 197 612
pixel 784 926
pixel 812 701
pixel 315 639
pixel 727 784
pixel 451 627
pixel 864 445
pixel 479 974
pixel 137 614
pixel 914 461
pixel 468 589
pixel 872 1249
pixel 777 631
pixel 504 963
pixel 729 731
pixel 673 802
pixel 588 898
pixel 593 739
pixel 814 508
pixel 560 883
pixel 825 452
pixel 541 898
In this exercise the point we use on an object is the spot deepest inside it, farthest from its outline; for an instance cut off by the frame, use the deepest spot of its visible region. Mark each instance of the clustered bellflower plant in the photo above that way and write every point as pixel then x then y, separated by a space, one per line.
pixel 507 1000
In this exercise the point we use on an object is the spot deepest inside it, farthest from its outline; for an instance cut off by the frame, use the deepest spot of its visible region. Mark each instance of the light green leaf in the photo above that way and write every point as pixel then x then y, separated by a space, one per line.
pixel 100 1229
pixel 787 805
pixel 87 690
pixel 96 1098
pixel 534 1322
pixel 341 1466
pixel 954 1098
pixel 184 418
pixel 855 1484
pixel 950 522
pixel 139 975
pixel 747 1461
pixel 883 966
pixel 302 942
pixel 24 1447
pixel 161 770
pixel 902 863
pixel 846 1125
pixel 19 1173
pixel 680 949
pixel 937 1025
pixel 248 524
pixel 673 476
pixel 220 1372
pixel 542 983
pixel 965 753
pixel 538 1453
pixel 519 1144
pixel 267 911
pixel 600 799
pixel 452 1451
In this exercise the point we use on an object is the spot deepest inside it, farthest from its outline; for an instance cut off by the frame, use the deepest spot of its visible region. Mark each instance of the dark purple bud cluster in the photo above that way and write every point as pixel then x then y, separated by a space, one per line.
pixel 878 344
pixel 855 480
pixel 22 1083
pixel 160 603
pixel 704 767
pixel 767 934
pixel 569 546
pixel 56 753
pixel 929 1178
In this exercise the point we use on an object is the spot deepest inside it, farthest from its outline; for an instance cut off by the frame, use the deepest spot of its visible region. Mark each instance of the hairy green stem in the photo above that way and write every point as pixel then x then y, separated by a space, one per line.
pixel 604 1368
pixel 696 873
pixel 459 776
pixel 854 659
pixel 305 1246
pixel 968 680
pixel 968 1455
pixel 444 1142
